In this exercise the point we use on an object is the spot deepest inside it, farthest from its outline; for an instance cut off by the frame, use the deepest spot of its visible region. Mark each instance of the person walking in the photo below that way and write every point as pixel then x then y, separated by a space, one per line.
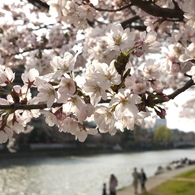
pixel 135 175
pixel 112 184
pixel 143 179
pixel 104 189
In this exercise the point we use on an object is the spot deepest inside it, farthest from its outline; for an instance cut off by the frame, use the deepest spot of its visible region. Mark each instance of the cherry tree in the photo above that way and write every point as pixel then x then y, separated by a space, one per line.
pixel 92 60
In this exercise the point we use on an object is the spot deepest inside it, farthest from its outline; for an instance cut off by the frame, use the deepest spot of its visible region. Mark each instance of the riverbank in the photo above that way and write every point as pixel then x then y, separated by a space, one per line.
pixel 58 150
pixel 156 180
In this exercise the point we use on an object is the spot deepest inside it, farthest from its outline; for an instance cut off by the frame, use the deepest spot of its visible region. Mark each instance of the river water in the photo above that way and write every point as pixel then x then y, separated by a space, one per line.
pixel 79 175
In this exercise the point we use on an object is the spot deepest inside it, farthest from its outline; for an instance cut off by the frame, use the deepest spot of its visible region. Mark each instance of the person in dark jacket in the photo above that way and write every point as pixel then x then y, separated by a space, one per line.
pixel 143 179
pixel 104 189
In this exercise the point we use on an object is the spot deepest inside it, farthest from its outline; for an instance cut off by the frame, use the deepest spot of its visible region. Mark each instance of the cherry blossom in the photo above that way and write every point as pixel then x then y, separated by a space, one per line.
pixel 47 94
pixel 5 134
pixel 105 120
pixel 66 88
pixel 106 61
pixel 82 134
pixel 148 42
pixel 189 53
pixel 95 92
pixel 124 104
pixel 119 39
pixel 151 70
pixel 106 75
pixel 29 77
pixel 192 72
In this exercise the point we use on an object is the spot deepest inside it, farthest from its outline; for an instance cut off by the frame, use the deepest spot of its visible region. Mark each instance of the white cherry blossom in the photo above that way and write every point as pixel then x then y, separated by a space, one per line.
pixel 106 75
pixel 125 104
pixel 28 78
pixel 148 42
pixel 50 118
pixel 5 134
pixel 151 70
pixel 95 92
pixel 105 120
pixel 73 105
pixel 66 88
pixel 86 111
pixel 192 72
pixel 189 53
pixel 119 39
pixel 47 93
pixel 81 134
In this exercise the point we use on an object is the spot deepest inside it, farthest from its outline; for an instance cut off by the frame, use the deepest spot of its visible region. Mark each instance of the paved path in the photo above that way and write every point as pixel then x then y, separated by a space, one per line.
pixel 156 180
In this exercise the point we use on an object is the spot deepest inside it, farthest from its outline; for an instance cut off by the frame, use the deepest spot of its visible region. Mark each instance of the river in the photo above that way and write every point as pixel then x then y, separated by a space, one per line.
pixel 79 175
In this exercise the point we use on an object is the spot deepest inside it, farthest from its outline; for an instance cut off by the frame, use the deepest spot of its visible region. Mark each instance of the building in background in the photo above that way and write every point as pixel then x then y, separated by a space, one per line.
pixel 160 122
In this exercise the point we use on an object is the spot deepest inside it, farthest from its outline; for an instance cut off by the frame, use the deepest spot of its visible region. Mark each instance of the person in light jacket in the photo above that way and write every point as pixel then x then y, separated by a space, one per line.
pixel 136 177
pixel 112 184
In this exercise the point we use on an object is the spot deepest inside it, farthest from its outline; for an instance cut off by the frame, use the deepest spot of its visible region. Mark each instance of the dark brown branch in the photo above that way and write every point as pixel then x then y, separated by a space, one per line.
pixel 27 107
pixel 157 11
pixel 187 85
pixel 113 10
pixel 32 49
pixel 152 9
pixel 128 24
pixel 129 21
pixel 40 4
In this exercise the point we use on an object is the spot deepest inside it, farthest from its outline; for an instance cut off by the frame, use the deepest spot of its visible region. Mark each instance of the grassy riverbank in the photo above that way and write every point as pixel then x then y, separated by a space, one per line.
pixel 183 184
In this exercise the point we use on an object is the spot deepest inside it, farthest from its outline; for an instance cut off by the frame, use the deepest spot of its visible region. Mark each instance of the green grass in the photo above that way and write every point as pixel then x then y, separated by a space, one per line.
pixel 188 174
pixel 176 187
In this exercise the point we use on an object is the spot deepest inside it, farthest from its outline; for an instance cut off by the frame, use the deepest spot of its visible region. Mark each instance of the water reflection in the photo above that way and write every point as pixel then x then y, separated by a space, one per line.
pixel 78 175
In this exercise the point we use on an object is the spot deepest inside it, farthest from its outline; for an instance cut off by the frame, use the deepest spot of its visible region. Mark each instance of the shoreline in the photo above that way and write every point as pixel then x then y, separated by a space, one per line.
pixel 57 150
pixel 156 180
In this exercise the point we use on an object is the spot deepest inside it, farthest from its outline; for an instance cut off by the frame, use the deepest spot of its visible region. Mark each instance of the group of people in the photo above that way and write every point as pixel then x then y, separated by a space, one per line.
pixel 138 178
pixel 113 182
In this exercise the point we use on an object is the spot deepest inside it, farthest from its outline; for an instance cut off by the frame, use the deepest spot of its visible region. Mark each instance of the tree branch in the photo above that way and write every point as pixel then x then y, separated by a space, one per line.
pixel 157 11
pixel 112 10
pixel 151 9
pixel 39 4
pixel 187 85
pixel 127 23
pixel 27 107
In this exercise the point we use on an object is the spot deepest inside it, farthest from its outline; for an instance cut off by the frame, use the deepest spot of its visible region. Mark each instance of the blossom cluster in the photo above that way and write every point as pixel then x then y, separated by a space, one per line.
pixel 76 103
pixel 89 66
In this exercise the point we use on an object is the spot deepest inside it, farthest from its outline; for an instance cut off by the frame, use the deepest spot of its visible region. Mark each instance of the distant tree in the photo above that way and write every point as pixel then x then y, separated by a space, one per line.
pixel 127 139
pixel 162 135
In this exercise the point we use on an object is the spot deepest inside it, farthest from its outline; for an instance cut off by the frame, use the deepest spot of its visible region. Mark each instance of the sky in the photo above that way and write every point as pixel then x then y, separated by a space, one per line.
pixel 174 108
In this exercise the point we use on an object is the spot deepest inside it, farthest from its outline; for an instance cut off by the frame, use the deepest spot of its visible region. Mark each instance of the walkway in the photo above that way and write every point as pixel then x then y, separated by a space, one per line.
pixel 156 180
